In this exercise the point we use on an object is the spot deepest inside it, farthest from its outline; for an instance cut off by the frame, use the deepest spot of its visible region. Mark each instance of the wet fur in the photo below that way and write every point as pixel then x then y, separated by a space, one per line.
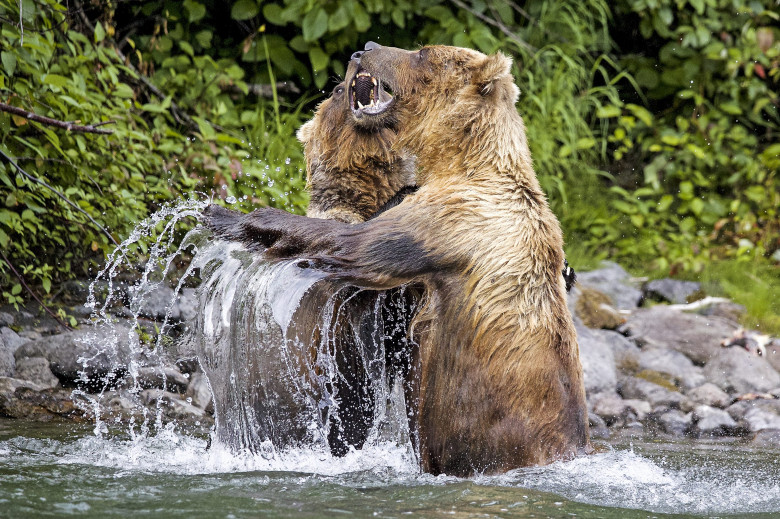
pixel 352 168
pixel 500 380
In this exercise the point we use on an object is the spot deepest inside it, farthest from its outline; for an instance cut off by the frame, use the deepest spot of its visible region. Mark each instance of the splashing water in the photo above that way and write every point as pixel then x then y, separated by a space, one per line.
pixel 266 335
pixel 285 351
pixel 273 339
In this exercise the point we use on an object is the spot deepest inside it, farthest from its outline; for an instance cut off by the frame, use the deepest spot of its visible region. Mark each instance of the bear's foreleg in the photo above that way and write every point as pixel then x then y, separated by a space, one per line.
pixel 379 254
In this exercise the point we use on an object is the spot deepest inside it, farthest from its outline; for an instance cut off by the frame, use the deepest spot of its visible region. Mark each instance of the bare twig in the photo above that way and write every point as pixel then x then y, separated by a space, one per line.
pixel 71 127
pixel 30 291
pixel 495 23
pixel 59 194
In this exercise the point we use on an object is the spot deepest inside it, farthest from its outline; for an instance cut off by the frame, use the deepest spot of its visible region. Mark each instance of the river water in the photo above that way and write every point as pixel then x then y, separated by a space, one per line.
pixel 55 470
pixel 247 337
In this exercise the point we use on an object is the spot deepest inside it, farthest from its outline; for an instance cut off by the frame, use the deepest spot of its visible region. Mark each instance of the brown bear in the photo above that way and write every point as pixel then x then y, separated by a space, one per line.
pixel 498 379
pixel 353 174
pixel 351 166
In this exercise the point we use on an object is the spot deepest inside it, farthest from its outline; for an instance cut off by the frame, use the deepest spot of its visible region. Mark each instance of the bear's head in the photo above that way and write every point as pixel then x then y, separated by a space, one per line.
pixel 352 167
pixel 446 99
pixel 335 138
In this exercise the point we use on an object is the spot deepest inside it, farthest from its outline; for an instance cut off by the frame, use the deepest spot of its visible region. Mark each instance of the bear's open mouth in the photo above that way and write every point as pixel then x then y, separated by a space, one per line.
pixel 367 95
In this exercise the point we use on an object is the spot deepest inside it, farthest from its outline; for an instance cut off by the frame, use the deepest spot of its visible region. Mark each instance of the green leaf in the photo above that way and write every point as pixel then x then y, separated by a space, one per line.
pixel 319 60
pixel 339 19
pixel 46 283
pixel 100 33
pixel 315 24
pixel 244 10
pixel 195 10
pixel 55 79
pixel 273 14
pixel 398 17
pixel 731 108
pixel 3 239
pixel 608 111
pixel 362 21
pixel 16 289
pixel 9 62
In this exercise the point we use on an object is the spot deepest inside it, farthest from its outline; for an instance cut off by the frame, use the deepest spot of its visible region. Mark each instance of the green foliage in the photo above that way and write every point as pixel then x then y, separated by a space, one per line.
pixel 653 123
pixel 754 285
pixel 700 167
pixel 155 155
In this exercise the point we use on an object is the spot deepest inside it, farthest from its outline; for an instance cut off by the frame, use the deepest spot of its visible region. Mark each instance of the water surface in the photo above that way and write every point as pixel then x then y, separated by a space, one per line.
pixel 54 470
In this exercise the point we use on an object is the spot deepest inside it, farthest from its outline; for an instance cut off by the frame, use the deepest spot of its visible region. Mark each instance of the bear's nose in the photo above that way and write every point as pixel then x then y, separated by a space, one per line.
pixel 356 55
pixel 371 45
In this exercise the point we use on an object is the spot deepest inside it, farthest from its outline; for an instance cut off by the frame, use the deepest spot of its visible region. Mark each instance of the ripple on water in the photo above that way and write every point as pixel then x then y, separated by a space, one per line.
pixel 655 478
pixel 666 481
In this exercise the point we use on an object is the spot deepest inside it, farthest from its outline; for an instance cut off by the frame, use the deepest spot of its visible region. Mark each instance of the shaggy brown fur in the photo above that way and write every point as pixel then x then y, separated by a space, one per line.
pixel 352 168
pixel 500 380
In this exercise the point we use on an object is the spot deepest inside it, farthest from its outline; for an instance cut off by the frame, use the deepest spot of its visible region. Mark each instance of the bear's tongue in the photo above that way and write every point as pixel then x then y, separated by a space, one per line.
pixel 364 91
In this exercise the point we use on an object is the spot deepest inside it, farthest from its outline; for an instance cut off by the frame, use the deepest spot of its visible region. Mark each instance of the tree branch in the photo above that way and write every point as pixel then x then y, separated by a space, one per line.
pixel 71 127
pixel 495 23
pixel 30 291
pixel 59 194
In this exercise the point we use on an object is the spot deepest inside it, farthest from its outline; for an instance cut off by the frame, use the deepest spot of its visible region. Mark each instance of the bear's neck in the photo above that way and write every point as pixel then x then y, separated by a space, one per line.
pixel 474 148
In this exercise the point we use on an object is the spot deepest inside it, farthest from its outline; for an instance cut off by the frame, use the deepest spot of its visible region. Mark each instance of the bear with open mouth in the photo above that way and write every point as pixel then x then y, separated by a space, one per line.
pixel 498 381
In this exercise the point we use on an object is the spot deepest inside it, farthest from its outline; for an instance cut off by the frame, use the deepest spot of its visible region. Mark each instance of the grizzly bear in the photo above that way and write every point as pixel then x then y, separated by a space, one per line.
pixel 354 173
pixel 351 166
pixel 497 375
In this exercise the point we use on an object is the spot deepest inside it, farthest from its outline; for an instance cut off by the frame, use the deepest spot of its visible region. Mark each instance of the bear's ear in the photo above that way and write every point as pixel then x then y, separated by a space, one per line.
pixel 493 69
pixel 304 132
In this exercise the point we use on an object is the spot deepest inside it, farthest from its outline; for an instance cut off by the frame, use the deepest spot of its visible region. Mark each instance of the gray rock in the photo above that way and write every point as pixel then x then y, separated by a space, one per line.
pixel 672 363
pixel 736 371
pixel 598 428
pixel 199 392
pixel 7 364
pixel 188 304
pixel 709 394
pixel 173 406
pixel 6 319
pixel 598 362
pixel 773 354
pixel 104 351
pixel 9 384
pixel 39 404
pixel 161 377
pixel 11 338
pixel 693 335
pixel 30 335
pixel 615 282
pixel 36 369
pixel 766 438
pixel 618 412
pixel 157 303
pixel 673 422
pixel 709 422
pixel 639 389
pixel 624 351
pixel 757 414
pixel 670 290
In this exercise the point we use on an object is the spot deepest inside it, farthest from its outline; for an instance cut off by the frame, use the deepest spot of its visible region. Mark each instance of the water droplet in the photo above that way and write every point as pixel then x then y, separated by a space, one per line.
pixel 230 200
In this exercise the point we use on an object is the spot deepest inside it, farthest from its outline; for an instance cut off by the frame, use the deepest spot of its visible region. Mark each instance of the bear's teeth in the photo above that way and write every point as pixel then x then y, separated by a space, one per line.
pixel 360 105
pixel 373 80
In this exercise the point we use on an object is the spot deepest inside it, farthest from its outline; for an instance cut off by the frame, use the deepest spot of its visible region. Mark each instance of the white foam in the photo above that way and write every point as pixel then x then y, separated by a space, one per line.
pixel 625 479
pixel 173 453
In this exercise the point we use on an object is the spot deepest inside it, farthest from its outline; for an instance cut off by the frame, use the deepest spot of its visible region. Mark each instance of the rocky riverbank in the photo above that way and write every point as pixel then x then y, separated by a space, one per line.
pixel 654 363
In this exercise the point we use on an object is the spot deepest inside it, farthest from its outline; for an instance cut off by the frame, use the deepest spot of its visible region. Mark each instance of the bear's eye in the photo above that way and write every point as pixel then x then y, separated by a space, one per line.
pixel 338 90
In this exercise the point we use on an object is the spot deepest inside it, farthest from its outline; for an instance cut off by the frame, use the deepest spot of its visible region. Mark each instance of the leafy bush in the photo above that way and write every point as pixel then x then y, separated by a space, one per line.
pixel 112 181
pixel 697 165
